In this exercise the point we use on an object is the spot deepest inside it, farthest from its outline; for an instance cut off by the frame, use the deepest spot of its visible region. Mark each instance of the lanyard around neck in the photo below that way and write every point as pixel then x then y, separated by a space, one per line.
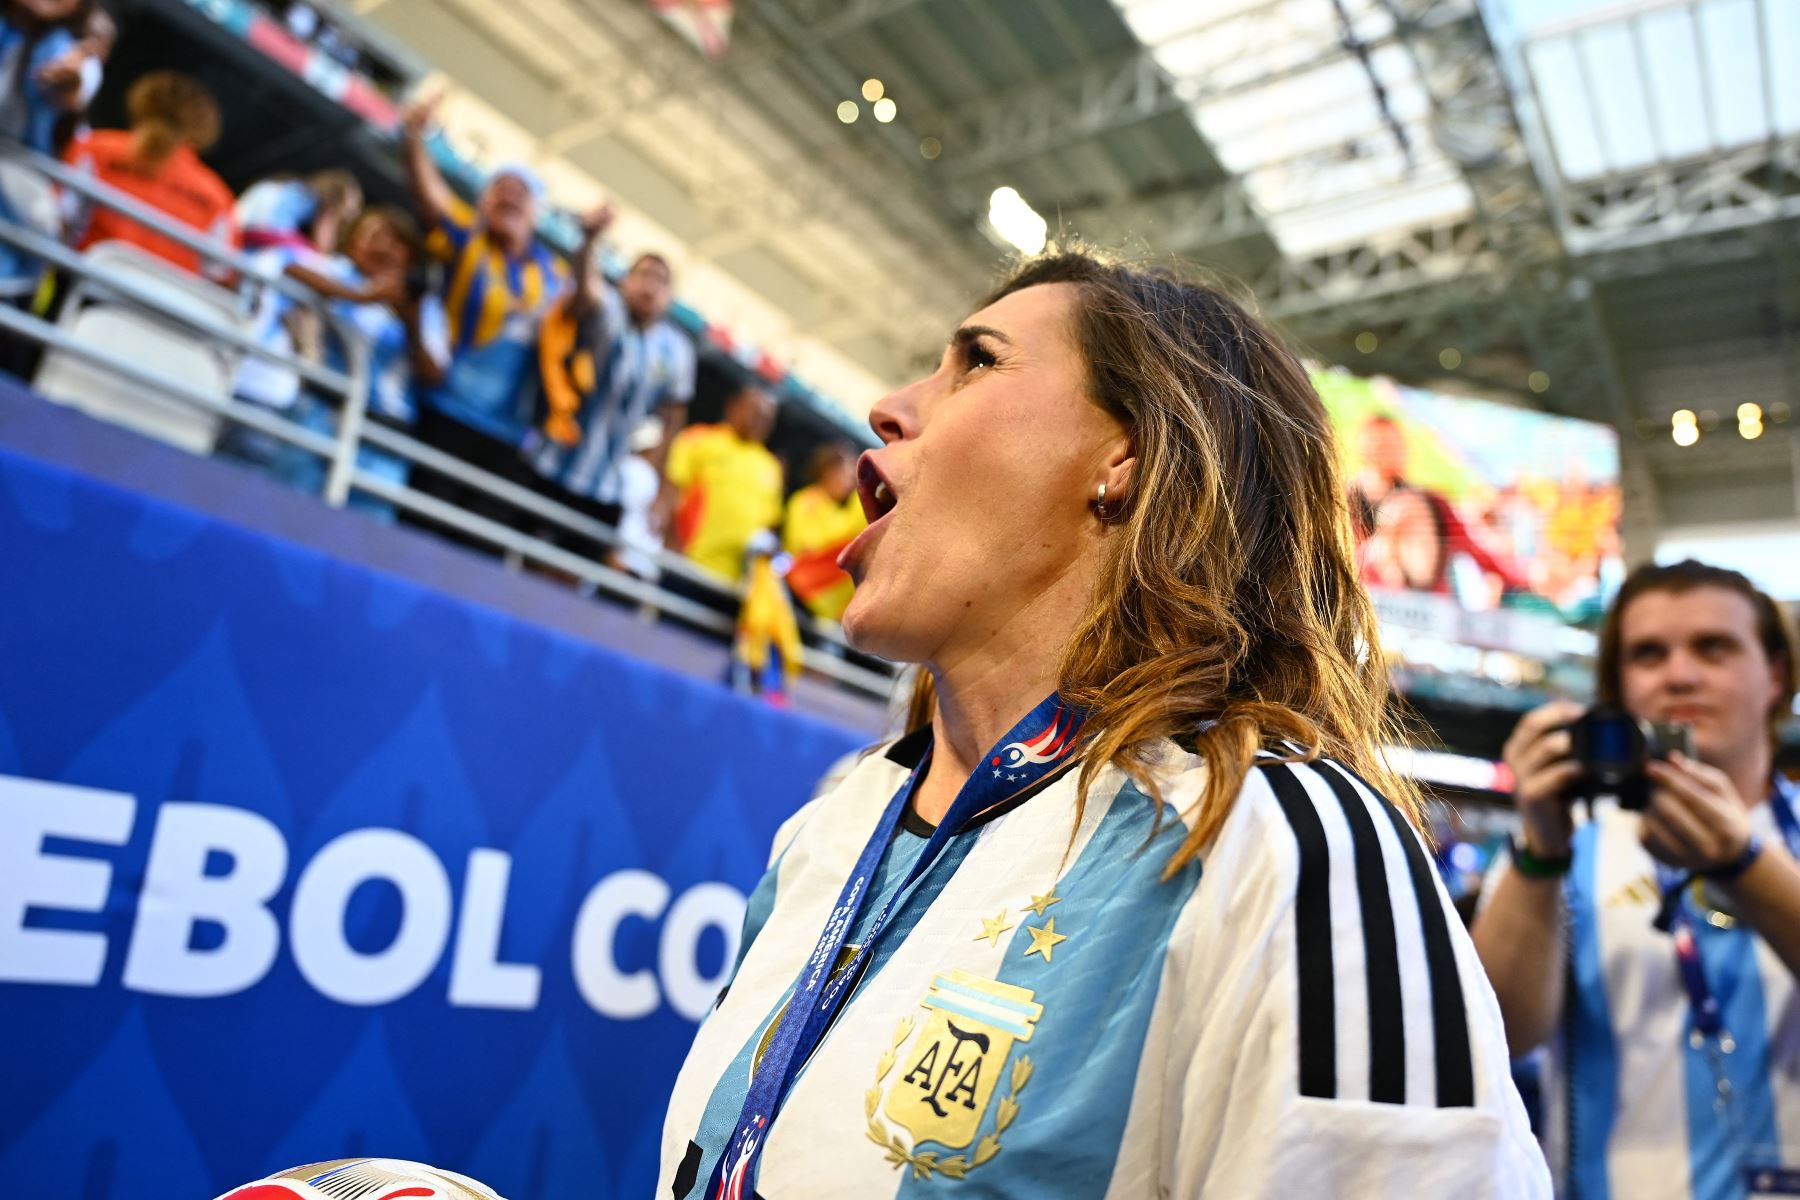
pixel 1676 918
pixel 1039 745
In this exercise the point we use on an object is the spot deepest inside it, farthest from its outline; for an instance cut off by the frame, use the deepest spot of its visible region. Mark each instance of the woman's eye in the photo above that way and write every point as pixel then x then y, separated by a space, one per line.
pixel 976 355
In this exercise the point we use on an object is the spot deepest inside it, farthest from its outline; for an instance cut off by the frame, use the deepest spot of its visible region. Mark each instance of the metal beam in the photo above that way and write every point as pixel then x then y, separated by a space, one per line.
pixel 1753 186
pixel 1094 99
pixel 852 15
pixel 1178 222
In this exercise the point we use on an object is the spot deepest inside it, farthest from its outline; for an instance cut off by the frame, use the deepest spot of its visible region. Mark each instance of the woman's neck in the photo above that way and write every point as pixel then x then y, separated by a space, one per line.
pixel 983 692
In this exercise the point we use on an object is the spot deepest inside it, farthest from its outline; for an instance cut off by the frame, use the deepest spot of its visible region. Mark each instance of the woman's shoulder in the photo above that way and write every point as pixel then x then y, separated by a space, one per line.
pixel 1312 849
pixel 1334 901
pixel 1314 815
pixel 852 787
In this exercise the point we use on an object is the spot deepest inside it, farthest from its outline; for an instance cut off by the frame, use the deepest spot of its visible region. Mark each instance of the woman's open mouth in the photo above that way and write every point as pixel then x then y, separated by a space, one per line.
pixel 878 498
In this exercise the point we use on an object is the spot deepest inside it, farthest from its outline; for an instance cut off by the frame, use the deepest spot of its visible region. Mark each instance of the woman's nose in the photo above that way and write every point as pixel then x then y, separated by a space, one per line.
pixel 896 415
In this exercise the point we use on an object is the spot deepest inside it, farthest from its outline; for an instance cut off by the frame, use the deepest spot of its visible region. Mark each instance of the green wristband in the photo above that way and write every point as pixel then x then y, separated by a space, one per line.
pixel 1533 867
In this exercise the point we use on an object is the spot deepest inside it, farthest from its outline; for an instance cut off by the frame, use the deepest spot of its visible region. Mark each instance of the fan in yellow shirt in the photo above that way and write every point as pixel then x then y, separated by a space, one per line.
pixel 729 484
pixel 821 519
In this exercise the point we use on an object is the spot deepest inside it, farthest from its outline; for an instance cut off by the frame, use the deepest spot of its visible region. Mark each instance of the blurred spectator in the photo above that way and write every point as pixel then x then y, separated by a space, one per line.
pixel 766 654
pixel 310 212
pixel 297 224
pixel 51 52
pixel 822 518
pixel 728 482
pixel 501 281
pixel 174 120
pixel 1410 535
pixel 646 369
pixel 380 295
pixel 640 522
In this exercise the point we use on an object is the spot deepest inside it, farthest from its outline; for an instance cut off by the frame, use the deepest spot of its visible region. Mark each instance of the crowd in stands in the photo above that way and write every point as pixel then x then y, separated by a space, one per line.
pixel 484 342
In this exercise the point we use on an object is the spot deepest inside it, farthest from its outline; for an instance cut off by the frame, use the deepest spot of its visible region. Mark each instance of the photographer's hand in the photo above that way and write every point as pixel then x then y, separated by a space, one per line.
pixel 1694 820
pixel 1537 753
pixel 1697 822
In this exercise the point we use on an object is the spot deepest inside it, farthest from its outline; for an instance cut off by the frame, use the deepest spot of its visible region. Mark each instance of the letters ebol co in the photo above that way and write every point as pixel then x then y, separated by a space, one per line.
pixel 53 836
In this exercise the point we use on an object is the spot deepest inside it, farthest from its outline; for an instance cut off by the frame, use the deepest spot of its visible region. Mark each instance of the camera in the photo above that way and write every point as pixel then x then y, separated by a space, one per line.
pixel 1613 747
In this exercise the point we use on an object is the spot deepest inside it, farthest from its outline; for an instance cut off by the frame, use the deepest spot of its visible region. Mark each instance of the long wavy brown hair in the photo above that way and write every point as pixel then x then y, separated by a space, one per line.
pixel 1228 614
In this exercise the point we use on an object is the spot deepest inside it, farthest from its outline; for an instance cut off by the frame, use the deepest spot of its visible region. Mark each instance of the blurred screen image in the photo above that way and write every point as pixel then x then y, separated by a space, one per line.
pixel 1481 502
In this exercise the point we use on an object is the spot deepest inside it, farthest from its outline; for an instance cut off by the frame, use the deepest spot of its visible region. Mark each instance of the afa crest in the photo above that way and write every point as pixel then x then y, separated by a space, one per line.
pixel 938 1086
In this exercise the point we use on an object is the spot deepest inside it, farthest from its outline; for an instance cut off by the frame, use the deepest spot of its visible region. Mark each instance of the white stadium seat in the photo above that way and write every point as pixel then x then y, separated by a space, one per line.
pixel 153 343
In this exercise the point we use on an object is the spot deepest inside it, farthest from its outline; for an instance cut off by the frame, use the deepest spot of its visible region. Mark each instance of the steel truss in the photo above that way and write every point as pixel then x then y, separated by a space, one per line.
pixel 849 186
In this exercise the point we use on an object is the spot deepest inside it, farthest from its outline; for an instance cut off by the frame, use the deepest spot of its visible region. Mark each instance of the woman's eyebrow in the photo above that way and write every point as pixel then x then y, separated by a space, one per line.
pixel 968 333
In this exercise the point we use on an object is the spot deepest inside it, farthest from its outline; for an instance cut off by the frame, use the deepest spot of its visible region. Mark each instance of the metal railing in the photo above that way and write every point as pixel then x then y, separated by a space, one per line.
pixel 826 646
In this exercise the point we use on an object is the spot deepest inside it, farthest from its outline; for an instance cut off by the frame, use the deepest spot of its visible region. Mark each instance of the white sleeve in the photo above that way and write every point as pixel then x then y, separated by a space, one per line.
pixel 682 369
pixel 1339 1037
pixel 434 328
pixel 93 72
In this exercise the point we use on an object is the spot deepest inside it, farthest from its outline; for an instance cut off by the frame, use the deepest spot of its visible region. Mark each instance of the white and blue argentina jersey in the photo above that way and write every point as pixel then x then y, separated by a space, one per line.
pixel 1299 1013
pixel 1631 1111
pixel 640 371
pixel 270 384
pixel 390 354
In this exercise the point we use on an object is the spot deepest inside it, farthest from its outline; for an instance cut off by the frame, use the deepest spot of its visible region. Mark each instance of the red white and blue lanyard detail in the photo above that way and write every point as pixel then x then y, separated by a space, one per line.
pixel 1039 745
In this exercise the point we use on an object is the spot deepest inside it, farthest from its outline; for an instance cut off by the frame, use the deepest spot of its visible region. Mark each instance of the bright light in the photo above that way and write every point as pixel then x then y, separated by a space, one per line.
pixel 873 90
pixel 1450 358
pixel 1685 435
pixel 930 148
pixel 1750 429
pixel 1017 222
pixel 1749 412
pixel 1538 381
pixel 885 110
pixel 847 112
pixel 1682 416
pixel 1366 342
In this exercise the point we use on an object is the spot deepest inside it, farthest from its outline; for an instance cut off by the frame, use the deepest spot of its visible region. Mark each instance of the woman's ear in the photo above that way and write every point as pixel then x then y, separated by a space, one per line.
pixel 1121 467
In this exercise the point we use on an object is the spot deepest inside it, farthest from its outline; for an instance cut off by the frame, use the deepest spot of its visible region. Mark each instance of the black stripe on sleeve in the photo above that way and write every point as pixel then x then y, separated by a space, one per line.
pixel 1312 936
pixel 1449 1016
pixel 1387 1031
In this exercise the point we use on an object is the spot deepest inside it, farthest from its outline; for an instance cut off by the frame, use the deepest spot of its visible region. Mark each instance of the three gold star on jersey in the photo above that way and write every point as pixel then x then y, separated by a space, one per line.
pixel 1044 938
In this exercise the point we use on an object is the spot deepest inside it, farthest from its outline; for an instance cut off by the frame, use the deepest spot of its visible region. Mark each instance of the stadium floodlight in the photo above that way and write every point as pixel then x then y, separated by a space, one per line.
pixel 1017 223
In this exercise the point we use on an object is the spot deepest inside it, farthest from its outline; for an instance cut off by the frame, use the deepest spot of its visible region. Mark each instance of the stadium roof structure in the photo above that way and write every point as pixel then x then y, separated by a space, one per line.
pixel 1597 215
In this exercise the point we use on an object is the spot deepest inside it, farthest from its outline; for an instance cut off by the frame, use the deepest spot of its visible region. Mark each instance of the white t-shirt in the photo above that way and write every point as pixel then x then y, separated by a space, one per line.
pixel 1301 1014
pixel 1631 1105
pixel 637 487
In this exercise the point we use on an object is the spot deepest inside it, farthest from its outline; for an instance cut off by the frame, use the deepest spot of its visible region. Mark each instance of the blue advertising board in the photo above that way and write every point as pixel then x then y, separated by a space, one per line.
pixel 301 861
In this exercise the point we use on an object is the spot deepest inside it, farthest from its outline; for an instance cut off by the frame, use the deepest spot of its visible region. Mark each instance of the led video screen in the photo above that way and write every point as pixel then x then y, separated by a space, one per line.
pixel 1486 504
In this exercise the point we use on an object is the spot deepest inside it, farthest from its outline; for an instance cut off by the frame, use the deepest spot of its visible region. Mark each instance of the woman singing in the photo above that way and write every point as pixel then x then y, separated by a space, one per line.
pixel 1135 909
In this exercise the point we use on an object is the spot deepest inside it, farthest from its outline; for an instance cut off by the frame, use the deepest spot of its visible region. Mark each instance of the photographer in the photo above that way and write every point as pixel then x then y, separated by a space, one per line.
pixel 1661 943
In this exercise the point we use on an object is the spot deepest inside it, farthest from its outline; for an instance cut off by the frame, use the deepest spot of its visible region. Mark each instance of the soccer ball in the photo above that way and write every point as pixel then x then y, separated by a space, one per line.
pixel 364 1179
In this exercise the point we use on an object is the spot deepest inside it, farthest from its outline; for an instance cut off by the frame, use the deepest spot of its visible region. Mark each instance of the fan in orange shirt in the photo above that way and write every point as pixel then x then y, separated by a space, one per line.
pixel 174 119
pixel 822 518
